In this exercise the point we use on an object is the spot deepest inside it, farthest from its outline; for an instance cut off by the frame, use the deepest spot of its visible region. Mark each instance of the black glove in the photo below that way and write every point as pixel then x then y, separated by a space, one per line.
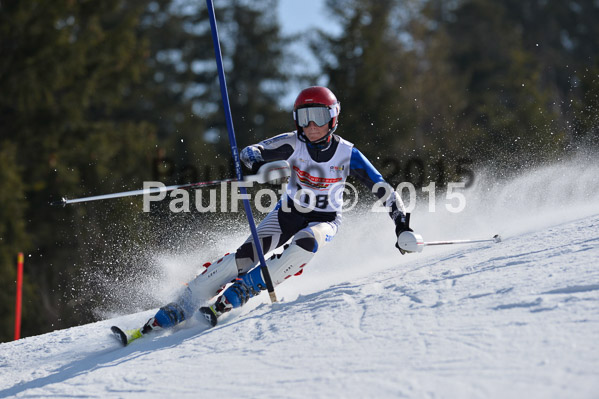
pixel 253 170
pixel 400 227
pixel 398 231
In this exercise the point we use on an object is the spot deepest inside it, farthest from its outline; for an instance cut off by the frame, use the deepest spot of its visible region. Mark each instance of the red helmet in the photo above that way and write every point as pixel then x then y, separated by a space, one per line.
pixel 317 96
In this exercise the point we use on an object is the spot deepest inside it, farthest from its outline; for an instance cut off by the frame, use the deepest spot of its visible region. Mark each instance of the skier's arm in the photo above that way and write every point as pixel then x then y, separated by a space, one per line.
pixel 363 170
pixel 274 149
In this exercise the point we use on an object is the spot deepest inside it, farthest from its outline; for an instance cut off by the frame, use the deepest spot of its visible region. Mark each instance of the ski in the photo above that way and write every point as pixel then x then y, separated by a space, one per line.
pixel 126 337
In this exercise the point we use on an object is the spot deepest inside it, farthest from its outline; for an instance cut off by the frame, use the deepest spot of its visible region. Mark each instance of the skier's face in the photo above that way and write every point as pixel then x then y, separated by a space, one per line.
pixel 315 132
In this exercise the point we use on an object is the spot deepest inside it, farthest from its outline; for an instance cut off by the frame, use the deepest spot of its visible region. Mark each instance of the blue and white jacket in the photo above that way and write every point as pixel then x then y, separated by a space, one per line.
pixel 319 173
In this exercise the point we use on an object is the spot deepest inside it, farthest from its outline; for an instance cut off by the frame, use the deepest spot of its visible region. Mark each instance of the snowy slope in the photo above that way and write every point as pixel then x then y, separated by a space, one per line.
pixel 519 319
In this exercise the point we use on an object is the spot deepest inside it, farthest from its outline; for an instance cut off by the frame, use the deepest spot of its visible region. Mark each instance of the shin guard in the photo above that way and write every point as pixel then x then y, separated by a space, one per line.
pixel 203 287
pixel 280 267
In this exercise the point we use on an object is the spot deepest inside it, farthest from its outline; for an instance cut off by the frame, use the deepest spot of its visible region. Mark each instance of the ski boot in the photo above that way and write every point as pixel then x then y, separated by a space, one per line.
pixel 167 316
pixel 243 288
pixel 212 313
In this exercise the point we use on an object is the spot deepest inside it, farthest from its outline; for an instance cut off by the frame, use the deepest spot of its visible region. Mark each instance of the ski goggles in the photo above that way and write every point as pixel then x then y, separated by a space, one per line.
pixel 319 115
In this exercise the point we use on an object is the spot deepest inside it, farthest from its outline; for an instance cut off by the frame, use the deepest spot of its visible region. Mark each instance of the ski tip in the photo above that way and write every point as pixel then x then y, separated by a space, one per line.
pixel 119 335
pixel 209 315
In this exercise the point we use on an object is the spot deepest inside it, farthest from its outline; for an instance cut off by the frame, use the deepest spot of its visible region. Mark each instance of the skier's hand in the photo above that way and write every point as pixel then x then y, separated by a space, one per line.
pixel 251 157
pixel 398 230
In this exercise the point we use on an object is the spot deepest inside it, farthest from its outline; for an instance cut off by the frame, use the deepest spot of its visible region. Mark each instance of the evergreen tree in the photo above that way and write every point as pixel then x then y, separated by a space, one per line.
pixel 13 239
pixel 399 92
pixel 183 91
pixel 369 70
pixel 93 98
pixel 508 107
pixel 563 37
pixel 256 67
pixel 65 68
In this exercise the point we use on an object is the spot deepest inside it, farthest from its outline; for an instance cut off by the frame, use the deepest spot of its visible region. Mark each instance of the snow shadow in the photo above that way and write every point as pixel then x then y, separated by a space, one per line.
pixel 109 358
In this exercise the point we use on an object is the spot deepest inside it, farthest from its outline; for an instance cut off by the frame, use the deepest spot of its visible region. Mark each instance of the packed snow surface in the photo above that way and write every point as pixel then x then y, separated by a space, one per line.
pixel 517 319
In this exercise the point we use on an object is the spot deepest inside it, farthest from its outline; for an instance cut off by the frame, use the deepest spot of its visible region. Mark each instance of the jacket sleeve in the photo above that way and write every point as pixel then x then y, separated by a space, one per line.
pixel 274 149
pixel 361 168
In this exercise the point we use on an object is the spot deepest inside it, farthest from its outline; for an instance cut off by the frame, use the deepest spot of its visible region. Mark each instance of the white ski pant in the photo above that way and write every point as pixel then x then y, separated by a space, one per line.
pixel 307 236
pixel 279 226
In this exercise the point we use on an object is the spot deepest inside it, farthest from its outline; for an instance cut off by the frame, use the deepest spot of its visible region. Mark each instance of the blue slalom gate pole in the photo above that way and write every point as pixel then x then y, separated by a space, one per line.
pixel 235 151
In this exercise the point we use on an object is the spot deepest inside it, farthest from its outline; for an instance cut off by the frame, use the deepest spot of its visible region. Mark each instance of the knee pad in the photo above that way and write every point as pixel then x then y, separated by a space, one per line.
pixel 246 255
pixel 290 262
pixel 305 239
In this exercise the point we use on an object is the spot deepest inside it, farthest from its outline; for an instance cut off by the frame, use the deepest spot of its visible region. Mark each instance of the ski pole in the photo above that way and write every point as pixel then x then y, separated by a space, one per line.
pixel 234 152
pixel 496 238
pixel 413 242
pixel 267 172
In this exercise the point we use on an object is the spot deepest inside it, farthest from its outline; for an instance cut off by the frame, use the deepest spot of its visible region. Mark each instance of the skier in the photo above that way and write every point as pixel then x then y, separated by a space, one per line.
pixel 309 214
